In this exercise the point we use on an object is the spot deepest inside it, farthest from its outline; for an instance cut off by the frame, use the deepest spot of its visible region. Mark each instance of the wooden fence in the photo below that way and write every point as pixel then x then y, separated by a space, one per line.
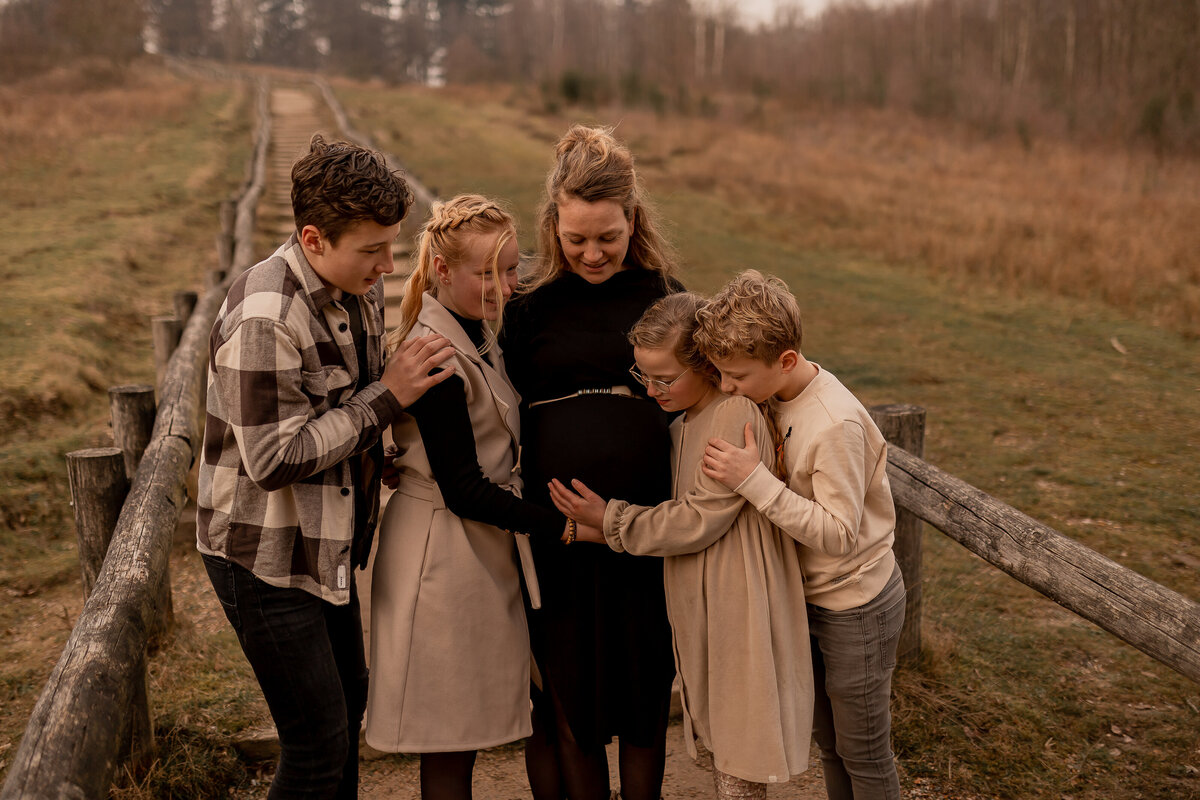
pixel 93 712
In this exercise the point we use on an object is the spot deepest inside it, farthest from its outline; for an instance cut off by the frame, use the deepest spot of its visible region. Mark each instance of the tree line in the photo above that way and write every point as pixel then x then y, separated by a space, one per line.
pixel 1104 69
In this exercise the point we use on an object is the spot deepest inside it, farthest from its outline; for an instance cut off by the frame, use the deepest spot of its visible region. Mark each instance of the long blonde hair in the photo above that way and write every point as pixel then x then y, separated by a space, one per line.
pixel 446 233
pixel 591 165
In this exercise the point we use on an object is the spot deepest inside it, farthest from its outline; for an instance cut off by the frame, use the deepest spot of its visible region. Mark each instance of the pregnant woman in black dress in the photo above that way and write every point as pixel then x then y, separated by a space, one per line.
pixel 601 640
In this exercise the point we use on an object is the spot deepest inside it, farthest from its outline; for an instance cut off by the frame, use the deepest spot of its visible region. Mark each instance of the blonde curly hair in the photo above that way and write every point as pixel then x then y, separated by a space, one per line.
pixel 753 315
pixel 447 233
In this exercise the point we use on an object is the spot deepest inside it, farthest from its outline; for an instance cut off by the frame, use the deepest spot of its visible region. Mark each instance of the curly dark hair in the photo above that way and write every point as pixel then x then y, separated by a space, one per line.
pixel 337 184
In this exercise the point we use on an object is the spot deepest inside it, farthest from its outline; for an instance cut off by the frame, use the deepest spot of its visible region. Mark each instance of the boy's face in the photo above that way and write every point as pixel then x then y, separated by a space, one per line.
pixel 362 255
pixel 749 377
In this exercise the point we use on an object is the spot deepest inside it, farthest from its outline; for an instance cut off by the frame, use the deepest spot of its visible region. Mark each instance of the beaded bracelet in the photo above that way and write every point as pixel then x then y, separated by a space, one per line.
pixel 572 530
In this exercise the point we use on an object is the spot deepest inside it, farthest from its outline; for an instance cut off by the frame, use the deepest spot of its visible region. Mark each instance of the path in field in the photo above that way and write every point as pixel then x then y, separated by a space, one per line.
pixel 297 112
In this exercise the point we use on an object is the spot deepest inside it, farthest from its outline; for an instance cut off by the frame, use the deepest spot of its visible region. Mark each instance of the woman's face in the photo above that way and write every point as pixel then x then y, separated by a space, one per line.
pixel 468 288
pixel 688 387
pixel 594 237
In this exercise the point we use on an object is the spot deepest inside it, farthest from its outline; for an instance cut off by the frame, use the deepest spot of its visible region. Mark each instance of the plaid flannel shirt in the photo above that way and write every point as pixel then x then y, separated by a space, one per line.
pixel 283 420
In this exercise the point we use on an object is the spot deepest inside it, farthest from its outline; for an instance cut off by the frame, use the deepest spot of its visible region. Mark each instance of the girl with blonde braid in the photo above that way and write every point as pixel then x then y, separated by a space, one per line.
pixel 449 642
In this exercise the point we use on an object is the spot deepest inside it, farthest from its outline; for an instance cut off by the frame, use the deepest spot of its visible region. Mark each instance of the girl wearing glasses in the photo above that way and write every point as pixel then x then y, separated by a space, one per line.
pixel 735 592
pixel 601 641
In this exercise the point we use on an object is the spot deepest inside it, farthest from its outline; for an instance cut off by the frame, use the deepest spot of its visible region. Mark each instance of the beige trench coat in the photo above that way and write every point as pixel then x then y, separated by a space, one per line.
pixel 735 596
pixel 449 644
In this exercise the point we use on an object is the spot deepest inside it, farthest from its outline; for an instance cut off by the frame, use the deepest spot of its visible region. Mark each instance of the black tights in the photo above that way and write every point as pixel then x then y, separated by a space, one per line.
pixel 447 776
pixel 559 767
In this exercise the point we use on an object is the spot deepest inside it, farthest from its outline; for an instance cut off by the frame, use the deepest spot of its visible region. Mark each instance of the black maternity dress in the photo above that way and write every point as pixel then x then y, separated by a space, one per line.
pixel 601 639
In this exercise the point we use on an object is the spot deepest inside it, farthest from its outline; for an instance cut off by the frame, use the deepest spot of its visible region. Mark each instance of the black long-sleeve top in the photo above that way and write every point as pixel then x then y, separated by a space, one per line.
pixel 445 425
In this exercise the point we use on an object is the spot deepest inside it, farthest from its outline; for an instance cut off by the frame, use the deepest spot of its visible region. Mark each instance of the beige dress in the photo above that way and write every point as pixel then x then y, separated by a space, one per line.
pixel 449 644
pixel 735 597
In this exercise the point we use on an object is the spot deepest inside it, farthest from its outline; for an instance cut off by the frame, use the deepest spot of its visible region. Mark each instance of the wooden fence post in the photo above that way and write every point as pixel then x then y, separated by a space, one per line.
pixel 99 486
pixel 133 411
pixel 904 426
pixel 167 330
pixel 185 302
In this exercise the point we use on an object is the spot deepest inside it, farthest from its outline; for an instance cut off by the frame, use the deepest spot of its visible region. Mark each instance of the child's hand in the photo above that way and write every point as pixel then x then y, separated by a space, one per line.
pixel 729 463
pixel 586 508
pixel 586 533
pixel 390 476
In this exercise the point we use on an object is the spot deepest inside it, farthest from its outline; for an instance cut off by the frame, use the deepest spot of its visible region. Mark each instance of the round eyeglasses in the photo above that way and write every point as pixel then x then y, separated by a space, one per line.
pixel 662 386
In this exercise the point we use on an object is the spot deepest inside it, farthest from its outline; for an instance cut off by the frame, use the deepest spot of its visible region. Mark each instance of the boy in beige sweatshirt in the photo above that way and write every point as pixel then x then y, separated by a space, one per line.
pixel 836 504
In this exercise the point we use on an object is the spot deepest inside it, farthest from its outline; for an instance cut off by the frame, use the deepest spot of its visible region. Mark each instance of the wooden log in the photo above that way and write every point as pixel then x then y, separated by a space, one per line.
pixel 1156 620
pixel 166 331
pixel 99 486
pixel 131 408
pixel 185 301
pixel 904 426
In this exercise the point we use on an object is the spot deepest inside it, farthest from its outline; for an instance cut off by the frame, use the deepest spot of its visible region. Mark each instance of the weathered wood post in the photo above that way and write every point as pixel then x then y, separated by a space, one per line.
pixel 132 410
pixel 99 486
pixel 185 302
pixel 904 426
pixel 225 241
pixel 166 330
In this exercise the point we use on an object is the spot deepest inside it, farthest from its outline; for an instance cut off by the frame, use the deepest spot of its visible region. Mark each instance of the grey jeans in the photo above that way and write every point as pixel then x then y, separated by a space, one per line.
pixel 854 654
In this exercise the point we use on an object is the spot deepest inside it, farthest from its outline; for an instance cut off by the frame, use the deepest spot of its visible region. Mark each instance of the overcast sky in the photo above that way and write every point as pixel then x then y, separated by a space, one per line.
pixel 755 11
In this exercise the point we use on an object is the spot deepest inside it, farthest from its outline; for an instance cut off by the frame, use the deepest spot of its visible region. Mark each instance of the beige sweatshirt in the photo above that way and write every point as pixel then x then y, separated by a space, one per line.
pixel 836 503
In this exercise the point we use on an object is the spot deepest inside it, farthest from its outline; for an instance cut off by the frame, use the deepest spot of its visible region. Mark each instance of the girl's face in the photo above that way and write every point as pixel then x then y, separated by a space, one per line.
pixel 594 237
pixel 688 388
pixel 468 288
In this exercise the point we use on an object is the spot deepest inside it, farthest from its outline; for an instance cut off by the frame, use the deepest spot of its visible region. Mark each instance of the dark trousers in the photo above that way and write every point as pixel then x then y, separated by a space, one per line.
pixel 308 657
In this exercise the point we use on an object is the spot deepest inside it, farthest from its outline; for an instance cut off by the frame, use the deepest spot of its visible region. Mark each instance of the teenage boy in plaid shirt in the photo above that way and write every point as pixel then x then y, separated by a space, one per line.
pixel 298 396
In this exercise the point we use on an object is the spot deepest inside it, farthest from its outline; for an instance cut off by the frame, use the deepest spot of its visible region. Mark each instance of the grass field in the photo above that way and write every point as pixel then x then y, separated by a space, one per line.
pixel 1059 399
pixel 1054 394
pixel 110 186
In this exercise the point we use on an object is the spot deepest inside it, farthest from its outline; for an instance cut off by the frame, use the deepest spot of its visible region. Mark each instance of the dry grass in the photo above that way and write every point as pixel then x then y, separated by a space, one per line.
pixel 1114 226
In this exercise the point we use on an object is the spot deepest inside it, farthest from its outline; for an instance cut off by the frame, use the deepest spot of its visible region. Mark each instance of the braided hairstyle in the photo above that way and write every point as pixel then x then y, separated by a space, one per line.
pixel 447 233
pixel 591 165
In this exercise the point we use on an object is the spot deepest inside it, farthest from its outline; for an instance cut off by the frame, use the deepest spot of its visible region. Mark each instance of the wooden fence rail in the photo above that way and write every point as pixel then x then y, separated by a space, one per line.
pixel 80 724
pixel 1161 623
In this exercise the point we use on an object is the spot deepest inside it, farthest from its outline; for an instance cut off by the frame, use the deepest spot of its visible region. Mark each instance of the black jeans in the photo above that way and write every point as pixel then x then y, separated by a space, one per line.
pixel 308 657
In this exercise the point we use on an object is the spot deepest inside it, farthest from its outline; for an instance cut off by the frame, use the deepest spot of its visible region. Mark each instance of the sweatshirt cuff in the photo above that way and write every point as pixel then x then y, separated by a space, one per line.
pixel 613 514
pixel 760 487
